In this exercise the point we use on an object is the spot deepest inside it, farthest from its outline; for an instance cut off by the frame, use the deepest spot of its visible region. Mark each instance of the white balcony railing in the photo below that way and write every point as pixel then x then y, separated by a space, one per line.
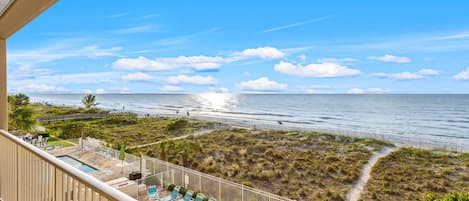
pixel 28 173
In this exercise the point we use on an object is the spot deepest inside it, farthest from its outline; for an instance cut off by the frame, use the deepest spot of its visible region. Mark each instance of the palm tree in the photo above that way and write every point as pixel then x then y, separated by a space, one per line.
pixel 164 148
pixel 187 147
pixel 89 101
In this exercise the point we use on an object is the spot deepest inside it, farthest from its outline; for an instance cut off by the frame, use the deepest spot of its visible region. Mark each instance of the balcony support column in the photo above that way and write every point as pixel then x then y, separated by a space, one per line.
pixel 3 86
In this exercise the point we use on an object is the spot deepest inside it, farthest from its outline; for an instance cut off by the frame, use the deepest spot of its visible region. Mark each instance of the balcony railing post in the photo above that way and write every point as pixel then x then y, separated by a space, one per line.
pixel 3 86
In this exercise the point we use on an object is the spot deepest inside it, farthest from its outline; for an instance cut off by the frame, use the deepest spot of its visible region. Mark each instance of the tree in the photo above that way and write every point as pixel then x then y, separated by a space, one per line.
pixel 187 147
pixel 89 101
pixel 164 148
pixel 21 100
pixel 23 118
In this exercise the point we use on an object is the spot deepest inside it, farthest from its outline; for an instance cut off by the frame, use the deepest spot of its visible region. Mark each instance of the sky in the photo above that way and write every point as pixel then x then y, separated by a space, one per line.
pixel 301 46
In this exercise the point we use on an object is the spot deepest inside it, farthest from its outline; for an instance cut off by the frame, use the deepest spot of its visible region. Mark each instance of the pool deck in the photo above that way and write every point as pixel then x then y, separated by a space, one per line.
pixel 109 170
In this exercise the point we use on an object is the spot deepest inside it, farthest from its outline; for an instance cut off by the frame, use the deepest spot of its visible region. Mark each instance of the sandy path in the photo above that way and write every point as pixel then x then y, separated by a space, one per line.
pixel 357 189
pixel 196 133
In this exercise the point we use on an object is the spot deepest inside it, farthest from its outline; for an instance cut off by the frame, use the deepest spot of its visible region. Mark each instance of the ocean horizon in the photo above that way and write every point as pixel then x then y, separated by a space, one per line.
pixel 419 117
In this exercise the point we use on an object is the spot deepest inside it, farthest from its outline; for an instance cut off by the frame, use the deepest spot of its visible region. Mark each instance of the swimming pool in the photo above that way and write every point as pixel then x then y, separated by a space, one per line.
pixel 78 164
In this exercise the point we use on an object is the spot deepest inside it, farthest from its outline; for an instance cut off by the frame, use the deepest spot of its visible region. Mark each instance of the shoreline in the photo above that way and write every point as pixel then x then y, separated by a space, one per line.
pixel 450 144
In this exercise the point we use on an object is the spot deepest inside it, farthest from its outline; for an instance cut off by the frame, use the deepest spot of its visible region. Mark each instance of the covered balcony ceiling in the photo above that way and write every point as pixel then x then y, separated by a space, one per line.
pixel 4 4
pixel 14 14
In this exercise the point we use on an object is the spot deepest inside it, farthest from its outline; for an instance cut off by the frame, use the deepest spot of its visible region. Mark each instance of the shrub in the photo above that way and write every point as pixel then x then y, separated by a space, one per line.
pixel 179 124
pixel 171 187
pixel 448 197
pixel 183 191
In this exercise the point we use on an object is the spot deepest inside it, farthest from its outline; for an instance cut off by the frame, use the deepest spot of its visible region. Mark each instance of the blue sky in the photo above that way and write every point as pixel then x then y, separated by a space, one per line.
pixel 302 46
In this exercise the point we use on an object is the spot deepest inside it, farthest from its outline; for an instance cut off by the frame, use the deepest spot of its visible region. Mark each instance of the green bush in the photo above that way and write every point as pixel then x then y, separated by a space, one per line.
pixel 179 124
pixel 448 197
pixel 171 187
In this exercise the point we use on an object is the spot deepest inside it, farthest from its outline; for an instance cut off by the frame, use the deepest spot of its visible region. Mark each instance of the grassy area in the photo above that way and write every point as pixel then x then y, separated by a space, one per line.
pixel 54 142
pixel 409 174
pixel 121 128
pixel 44 110
pixel 298 165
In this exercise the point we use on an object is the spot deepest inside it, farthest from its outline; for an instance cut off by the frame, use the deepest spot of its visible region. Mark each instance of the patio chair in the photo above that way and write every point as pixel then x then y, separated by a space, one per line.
pixel 174 194
pixel 153 192
pixel 199 197
pixel 187 196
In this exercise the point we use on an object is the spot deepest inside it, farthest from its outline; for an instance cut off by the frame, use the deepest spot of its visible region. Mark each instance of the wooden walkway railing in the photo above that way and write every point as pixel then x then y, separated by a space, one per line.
pixel 72 117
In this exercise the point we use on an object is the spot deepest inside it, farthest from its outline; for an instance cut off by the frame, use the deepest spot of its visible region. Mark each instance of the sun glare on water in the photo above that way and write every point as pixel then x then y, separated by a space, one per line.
pixel 217 101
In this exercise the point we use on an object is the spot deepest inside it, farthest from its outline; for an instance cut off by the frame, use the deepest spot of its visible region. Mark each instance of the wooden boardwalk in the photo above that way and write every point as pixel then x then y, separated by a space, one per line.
pixel 72 117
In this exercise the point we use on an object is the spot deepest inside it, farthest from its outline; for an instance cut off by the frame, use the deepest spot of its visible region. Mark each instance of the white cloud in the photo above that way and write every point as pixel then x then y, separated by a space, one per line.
pixel 377 90
pixel 137 29
pixel 219 89
pixel 368 91
pixel 463 75
pixel 197 79
pixel 313 91
pixel 26 72
pixel 262 52
pixel 428 72
pixel 337 60
pixel 60 50
pixel 356 91
pixel 316 70
pixel 200 62
pixel 409 75
pixel 452 36
pixel 391 58
pixel 138 76
pixel 400 76
pixel 125 90
pixel 87 91
pixel 171 88
pixel 262 84
pixel 168 63
pixel 302 57
pixel 99 91
pixel 41 88
pixel 80 78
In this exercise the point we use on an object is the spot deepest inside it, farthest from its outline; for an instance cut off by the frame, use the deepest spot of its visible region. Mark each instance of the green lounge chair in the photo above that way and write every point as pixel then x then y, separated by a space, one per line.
pixel 212 199
pixel 153 192
pixel 174 194
pixel 187 196
pixel 199 197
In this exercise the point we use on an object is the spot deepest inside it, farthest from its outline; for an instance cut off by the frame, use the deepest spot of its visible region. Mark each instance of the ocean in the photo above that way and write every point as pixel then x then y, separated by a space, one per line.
pixel 426 120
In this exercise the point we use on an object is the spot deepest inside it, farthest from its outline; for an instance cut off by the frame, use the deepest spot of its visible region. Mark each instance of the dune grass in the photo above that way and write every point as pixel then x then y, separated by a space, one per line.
pixel 410 174
pixel 298 165
pixel 119 128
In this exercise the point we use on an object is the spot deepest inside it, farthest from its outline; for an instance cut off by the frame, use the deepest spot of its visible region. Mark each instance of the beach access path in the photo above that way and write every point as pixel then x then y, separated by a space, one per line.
pixel 355 192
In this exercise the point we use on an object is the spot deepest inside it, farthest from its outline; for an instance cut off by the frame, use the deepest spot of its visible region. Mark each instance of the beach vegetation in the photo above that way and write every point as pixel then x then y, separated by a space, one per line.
pixel 89 101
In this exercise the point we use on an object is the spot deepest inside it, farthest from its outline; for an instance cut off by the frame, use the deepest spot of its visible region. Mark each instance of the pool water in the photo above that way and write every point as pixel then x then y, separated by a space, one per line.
pixel 78 164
